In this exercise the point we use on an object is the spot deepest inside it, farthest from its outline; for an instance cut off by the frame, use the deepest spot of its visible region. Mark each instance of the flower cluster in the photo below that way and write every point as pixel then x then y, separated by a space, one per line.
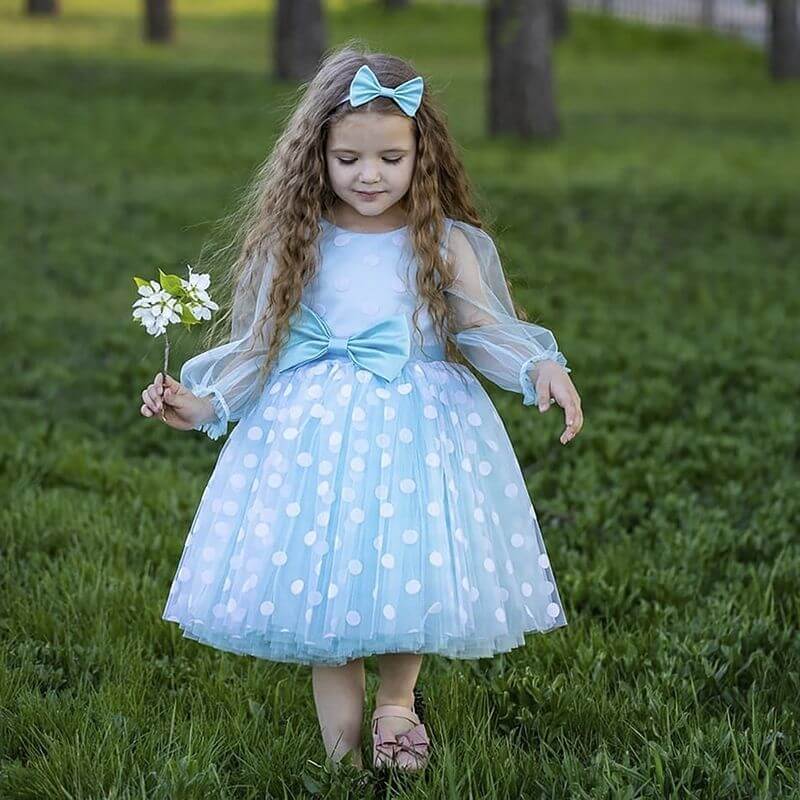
pixel 172 300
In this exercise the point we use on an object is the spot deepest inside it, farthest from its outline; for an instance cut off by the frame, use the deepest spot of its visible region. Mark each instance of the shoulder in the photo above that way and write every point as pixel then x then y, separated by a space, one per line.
pixel 466 245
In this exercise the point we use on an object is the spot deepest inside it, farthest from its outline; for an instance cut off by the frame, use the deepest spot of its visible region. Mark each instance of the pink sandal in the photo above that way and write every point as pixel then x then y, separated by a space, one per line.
pixel 408 750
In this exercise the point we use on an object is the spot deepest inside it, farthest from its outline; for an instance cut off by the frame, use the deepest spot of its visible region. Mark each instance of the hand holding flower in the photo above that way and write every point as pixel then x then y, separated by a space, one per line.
pixel 178 407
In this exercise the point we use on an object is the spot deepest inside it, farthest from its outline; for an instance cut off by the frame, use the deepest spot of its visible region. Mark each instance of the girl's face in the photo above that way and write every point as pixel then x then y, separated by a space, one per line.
pixel 370 160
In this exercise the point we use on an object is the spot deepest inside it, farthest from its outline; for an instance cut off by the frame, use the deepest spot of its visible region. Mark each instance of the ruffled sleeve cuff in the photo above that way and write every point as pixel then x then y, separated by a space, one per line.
pixel 219 425
pixel 530 396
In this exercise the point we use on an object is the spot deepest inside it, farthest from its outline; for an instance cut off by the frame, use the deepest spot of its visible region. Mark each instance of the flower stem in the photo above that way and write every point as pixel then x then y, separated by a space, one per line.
pixel 164 374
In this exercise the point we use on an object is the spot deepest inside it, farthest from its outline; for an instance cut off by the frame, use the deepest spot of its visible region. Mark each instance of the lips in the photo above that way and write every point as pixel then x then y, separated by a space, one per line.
pixel 368 194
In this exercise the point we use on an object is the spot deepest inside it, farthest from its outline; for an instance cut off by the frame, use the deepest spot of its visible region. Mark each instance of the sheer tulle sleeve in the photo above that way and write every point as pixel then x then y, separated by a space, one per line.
pixel 489 335
pixel 229 373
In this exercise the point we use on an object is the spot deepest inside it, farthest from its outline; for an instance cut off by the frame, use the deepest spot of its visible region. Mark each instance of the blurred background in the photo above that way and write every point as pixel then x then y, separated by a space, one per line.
pixel 639 164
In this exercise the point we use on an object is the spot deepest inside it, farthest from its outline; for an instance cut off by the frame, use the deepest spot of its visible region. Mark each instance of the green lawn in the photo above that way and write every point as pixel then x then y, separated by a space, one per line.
pixel 659 239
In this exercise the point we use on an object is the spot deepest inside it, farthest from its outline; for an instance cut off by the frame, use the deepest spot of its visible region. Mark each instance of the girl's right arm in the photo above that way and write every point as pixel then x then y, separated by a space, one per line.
pixel 182 409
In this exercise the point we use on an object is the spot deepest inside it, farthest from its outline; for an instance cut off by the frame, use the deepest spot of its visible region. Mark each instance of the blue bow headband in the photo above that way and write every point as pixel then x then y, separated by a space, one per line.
pixel 365 87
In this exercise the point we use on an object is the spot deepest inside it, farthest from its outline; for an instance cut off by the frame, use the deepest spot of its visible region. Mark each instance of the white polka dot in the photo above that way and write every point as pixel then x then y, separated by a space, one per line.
pixel 413 586
pixel 405 435
pixel 274 480
pixel 517 540
pixel 386 459
pixel 363 375
pixel 466 464
pixel 500 614
pixel 279 558
pixel 384 394
pixel 484 467
pixel 297 586
pixel 478 514
pixel 526 588
pixel 388 611
pixel 334 440
pixel 359 415
pixel 553 610
pixel 216 505
pixel 310 537
pixel 293 509
pixel 381 491
pixel 207 576
pixel 333 590
pixel 433 508
pixel 511 490
pixel 314 392
pixel 547 587
pixel 352 617
pixel 458 535
pixel 276 387
pixel 270 413
pixel 404 388
pixel 474 418
pixel 314 597
pixel 255 433
pixel 383 440
pixel 410 536
pixel 348 494
pixel 354 566
pixel 371 308
pixel 238 480
pixel 209 553
pixel 357 464
pixel 407 485
pixel 184 574
pixel 544 561
pixel 389 413
pixel 387 510
pixel 325 468
pixel 261 530
pixel 305 459
pixel 342 239
pixel 430 412
pixel 435 608
pixel 290 433
pixel 250 460
pixel 342 283
pixel 432 460
pixel 317 410
pixel 387 560
pixel 436 558
pixel 230 507
pixel 267 607
pixel 251 581
pixel 357 515
pixel 488 564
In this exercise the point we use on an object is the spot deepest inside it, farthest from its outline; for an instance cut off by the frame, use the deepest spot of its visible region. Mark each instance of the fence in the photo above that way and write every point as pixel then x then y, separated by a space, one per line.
pixel 748 19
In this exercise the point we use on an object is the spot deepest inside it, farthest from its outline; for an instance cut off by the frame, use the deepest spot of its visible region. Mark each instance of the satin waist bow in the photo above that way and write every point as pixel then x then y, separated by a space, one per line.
pixel 382 348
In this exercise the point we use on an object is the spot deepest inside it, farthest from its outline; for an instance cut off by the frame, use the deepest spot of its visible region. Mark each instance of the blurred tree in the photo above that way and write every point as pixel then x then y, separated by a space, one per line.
pixel 158 21
pixel 521 99
pixel 707 9
pixel 299 38
pixel 784 45
pixel 42 7
pixel 560 25
pixel 396 3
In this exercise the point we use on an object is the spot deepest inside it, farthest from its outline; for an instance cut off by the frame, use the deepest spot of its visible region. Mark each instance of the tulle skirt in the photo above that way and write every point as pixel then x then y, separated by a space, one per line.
pixel 348 516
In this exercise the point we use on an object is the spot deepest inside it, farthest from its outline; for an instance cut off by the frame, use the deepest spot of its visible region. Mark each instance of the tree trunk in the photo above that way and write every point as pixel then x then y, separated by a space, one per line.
pixel 158 21
pixel 784 50
pixel 42 8
pixel 299 38
pixel 560 12
pixel 395 4
pixel 521 99
pixel 707 9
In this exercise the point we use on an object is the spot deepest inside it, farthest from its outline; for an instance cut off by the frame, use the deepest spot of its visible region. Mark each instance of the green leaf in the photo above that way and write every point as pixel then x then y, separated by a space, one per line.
pixel 187 318
pixel 171 283
pixel 140 281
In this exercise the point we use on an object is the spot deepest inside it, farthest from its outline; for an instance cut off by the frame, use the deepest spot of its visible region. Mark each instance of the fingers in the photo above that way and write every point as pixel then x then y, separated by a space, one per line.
pixel 574 419
pixel 543 392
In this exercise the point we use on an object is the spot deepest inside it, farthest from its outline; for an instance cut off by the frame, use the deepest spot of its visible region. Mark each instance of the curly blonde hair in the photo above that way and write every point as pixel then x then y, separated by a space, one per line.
pixel 279 214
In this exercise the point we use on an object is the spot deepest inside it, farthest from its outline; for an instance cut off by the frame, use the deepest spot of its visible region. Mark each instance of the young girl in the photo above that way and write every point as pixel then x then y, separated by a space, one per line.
pixel 369 502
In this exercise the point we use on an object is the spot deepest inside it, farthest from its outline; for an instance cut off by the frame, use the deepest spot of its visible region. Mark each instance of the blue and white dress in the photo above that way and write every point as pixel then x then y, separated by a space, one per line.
pixel 369 499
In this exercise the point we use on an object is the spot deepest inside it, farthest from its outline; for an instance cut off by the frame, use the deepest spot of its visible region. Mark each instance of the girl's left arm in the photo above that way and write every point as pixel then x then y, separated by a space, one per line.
pixel 516 355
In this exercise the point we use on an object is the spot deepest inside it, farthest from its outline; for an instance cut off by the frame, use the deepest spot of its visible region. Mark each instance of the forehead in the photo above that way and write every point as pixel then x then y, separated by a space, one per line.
pixel 371 131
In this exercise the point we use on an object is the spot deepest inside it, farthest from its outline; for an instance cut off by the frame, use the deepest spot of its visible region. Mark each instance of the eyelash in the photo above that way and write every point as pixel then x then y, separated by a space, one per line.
pixel 387 160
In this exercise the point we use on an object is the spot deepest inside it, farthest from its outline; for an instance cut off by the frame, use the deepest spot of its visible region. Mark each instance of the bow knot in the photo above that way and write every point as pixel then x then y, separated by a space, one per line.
pixel 365 86
pixel 382 348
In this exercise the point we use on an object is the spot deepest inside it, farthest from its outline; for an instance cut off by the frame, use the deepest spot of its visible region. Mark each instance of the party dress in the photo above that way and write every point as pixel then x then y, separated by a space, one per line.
pixel 351 512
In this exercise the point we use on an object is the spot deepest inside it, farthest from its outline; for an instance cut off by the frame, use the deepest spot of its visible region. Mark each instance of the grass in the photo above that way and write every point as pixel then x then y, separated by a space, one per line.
pixel 658 238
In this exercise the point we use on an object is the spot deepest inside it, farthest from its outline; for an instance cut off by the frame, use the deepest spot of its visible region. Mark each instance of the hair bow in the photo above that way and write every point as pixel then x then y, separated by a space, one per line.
pixel 382 348
pixel 365 86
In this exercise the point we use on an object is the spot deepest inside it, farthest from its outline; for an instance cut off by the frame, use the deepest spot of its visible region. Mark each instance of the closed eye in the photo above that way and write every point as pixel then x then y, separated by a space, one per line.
pixel 387 160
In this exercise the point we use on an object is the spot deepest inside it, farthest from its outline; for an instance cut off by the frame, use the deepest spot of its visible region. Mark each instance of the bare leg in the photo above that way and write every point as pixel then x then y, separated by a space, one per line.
pixel 339 697
pixel 399 672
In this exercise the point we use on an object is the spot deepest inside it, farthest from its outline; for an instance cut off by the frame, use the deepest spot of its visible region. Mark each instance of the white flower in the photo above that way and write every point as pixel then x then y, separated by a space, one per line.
pixel 197 300
pixel 156 309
